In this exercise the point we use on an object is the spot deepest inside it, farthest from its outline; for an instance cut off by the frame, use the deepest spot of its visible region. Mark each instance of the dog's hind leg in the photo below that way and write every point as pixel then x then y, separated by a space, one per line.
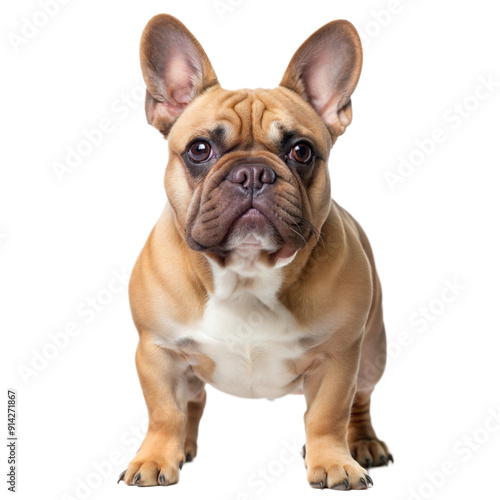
pixel 365 446
pixel 195 411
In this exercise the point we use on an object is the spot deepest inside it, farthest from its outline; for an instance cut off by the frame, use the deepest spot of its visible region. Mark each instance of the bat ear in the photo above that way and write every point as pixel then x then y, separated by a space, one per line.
pixel 325 71
pixel 175 69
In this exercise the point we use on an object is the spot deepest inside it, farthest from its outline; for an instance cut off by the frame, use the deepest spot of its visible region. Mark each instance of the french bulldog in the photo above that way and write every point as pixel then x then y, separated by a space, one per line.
pixel 254 280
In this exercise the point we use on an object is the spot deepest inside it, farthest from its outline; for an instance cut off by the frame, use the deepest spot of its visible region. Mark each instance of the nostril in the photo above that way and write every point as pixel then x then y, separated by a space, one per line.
pixel 241 178
pixel 238 176
pixel 251 176
pixel 267 176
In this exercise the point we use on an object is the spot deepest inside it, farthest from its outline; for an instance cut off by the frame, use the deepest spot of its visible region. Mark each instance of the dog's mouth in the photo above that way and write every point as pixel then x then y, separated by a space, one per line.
pixel 252 231
pixel 254 238
pixel 243 209
pixel 251 237
pixel 251 219
pixel 259 232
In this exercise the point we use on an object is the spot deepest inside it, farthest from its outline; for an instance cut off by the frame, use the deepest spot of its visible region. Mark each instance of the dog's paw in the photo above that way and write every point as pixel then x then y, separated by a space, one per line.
pixel 154 471
pixel 336 472
pixel 371 452
pixel 190 449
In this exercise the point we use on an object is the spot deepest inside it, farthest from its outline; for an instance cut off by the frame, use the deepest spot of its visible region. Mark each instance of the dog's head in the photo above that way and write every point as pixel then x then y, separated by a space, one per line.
pixel 247 171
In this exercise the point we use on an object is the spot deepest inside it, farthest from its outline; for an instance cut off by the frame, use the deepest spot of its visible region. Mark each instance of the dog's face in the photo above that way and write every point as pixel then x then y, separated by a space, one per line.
pixel 247 170
pixel 253 178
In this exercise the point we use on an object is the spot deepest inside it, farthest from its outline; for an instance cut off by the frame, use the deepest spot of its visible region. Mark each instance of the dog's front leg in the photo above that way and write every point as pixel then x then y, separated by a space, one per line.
pixel 165 387
pixel 329 390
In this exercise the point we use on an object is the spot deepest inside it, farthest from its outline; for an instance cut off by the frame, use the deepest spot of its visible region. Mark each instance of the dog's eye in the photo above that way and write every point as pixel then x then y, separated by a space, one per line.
pixel 200 151
pixel 301 153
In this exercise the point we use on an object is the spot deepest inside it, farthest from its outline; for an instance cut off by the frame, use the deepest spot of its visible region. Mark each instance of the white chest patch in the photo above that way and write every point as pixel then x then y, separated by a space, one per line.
pixel 249 334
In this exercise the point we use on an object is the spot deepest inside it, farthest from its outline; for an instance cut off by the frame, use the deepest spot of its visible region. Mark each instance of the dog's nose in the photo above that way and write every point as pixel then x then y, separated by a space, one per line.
pixel 252 176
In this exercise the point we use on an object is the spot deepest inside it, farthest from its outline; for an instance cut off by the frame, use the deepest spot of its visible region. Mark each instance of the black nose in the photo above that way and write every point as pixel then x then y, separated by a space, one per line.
pixel 252 176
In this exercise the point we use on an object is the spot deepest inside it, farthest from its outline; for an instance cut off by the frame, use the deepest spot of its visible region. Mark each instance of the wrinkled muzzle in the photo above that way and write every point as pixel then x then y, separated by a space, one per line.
pixel 249 201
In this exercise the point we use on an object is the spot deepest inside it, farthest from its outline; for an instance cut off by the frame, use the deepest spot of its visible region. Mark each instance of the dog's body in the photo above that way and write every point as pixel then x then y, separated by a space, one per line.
pixel 254 280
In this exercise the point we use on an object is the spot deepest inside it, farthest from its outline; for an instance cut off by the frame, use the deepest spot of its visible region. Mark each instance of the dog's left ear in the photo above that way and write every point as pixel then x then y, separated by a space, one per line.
pixel 325 71
pixel 175 69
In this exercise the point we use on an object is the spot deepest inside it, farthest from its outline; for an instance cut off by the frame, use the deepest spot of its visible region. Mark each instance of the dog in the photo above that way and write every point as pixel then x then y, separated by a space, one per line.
pixel 254 280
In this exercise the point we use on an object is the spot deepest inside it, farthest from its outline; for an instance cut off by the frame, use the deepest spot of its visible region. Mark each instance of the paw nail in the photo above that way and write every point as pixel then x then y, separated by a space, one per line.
pixel 384 460
pixel 364 482
pixel 391 458
pixel 162 480
pixel 369 479
pixel 188 457
pixel 318 485
pixel 121 476
pixel 341 486
pixel 369 463
pixel 181 463
pixel 304 451
pixel 137 478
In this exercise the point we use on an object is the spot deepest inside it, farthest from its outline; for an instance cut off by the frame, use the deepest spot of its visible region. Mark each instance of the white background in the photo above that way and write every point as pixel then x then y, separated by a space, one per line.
pixel 61 241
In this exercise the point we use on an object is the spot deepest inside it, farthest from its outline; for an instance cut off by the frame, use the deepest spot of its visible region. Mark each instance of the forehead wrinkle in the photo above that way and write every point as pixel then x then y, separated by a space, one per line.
pixel 258 110
pixel 269 124
pixel 296 115
pixel 262 117
pixel 227 115
pixel 244 109
pixel 231 121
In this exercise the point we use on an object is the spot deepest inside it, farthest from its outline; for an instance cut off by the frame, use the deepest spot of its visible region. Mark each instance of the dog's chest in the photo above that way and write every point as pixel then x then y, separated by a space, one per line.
pixel 250 336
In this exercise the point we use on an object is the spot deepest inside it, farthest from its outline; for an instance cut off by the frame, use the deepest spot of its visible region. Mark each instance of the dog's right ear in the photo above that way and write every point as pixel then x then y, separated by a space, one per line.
pixel 175 69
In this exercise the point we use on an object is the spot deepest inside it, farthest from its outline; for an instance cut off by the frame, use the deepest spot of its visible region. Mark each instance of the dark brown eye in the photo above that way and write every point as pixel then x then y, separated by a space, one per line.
pixel 200 151
pixel 301 153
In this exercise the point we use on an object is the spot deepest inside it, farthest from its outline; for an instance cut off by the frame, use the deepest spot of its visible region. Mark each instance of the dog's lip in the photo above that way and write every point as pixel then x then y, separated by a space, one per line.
pixel 255 224
pixel 251 214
